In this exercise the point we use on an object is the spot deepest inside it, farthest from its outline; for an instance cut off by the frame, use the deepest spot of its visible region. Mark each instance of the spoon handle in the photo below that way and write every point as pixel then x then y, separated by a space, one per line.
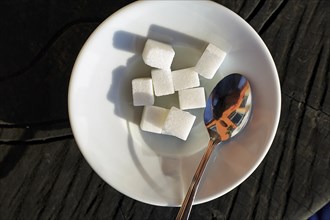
pixel 185 209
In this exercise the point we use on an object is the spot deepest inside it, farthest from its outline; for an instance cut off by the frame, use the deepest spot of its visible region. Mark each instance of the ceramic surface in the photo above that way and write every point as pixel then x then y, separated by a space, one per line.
pixel 152 168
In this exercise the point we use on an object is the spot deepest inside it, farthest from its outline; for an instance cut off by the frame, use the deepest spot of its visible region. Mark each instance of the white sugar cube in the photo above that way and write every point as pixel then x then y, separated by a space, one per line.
pixel 153 119
pixel 143 93
pixel 162 81
pixel 178 123
pixel 192 98
pixel 185 79
pixel 158 55
pixel 210 61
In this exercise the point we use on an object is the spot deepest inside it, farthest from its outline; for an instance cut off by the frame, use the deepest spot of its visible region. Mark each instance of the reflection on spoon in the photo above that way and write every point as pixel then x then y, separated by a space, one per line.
pixel 227 111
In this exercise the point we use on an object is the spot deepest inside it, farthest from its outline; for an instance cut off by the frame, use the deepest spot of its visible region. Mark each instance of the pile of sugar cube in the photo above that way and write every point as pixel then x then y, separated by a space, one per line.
pixel 164 81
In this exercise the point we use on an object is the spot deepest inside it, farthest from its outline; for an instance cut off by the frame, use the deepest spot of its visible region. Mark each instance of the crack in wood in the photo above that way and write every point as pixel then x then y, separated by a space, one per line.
pixel 305 104
pixel 273 16
pixel 34 124
pixel 37 141
pixel 254 12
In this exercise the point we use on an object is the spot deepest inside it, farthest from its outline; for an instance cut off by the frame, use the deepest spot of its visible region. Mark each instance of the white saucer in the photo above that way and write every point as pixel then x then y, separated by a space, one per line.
pixel 157 169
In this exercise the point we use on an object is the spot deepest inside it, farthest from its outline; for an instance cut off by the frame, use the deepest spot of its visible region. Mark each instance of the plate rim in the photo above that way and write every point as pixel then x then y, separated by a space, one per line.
pixel 120 12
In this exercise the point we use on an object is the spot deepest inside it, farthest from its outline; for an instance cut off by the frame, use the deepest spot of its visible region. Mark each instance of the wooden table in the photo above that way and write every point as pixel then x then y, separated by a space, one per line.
pixel 42 172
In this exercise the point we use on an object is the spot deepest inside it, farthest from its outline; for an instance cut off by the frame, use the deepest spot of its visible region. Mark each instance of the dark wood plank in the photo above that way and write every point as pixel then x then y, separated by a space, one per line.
pixel 42 172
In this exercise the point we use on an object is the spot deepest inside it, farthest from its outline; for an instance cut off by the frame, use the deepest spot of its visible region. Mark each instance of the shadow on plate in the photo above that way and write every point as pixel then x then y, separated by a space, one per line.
pixel 170 149
pixel 188 50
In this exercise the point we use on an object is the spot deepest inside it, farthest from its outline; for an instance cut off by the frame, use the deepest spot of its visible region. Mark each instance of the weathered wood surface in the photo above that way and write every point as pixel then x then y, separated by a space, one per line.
pixel 42 172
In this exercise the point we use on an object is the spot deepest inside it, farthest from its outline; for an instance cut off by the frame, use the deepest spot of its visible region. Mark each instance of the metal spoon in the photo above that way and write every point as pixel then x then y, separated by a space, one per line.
pixel 227 112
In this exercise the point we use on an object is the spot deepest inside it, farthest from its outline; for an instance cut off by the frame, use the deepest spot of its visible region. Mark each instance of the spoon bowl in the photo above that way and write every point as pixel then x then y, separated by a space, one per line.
pixel 227 111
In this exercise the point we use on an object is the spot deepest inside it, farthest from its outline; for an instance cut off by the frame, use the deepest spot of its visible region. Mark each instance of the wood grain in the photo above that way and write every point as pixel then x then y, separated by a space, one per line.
pixel 42 172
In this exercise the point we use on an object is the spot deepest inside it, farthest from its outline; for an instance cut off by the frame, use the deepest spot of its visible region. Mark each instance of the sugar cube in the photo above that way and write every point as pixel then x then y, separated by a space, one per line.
pixel 158 55
pixel 210 61
pixel 162 81
pixel 143 93
pixel 178 123
pixel 185 79
pixel 192 98
pixel 153 119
